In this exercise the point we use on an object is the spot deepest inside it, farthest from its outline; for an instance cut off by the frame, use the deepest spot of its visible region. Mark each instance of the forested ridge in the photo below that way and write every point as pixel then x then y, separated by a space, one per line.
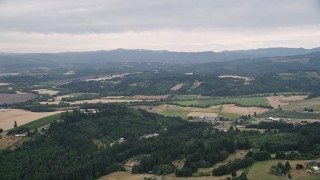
pixel 67 150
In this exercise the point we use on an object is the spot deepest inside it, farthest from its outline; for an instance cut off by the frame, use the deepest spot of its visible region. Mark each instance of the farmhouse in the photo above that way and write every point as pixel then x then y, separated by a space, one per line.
pixel 87 111
pixel 276 119
pixel 4 110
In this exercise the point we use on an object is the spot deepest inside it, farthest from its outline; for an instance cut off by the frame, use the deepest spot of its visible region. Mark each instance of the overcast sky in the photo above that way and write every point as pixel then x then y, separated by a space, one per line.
pixel 176 25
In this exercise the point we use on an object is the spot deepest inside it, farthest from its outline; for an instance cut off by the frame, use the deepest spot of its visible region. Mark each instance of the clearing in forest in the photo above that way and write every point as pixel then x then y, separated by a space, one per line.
pixel 177 87
pixel 247 80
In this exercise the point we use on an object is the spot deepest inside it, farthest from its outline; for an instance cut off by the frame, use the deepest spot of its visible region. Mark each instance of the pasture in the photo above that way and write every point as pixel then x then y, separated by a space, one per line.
pixel 231 108
pixel 275 101
pixel 176 113
pixel 260 170
pixel 190 97
pixel 173 110
pixel 313 103
pixel 242 101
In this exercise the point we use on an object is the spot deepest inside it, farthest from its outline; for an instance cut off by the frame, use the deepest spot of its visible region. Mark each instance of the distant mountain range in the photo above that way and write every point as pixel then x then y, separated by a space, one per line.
pixel 138 55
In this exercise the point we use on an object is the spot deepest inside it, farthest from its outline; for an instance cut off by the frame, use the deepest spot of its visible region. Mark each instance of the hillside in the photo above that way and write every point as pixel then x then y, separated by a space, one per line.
pixel 124 55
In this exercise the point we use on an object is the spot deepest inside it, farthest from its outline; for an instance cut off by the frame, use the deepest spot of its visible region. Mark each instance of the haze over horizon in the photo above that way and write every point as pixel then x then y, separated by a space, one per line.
pixel 62 26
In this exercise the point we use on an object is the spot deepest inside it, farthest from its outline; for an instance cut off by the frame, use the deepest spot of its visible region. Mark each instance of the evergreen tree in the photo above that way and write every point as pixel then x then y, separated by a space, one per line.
pixel 234 173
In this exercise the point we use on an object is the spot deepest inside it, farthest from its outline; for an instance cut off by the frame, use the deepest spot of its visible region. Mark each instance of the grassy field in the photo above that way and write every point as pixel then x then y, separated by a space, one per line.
pixel 244 101
pixel 286 114
pixel 42 122
pixel 173 112
pixel 231 116
pixel 313 103
pixel 260 170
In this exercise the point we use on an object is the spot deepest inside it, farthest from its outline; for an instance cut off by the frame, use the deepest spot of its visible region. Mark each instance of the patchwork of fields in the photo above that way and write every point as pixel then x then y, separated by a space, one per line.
pixel 245 101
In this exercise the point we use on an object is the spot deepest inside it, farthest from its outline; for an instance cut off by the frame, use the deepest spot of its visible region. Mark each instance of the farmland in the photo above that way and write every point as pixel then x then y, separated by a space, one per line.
pixel 286 114
pixel 21 117
pixel 261 170
pixel 15 98
pixel 42 121
pixel 231 108
pixel 281 101
pixel 173 110
pixel 46 91
pixel 242 101
pixel 313 103
pixel 108 99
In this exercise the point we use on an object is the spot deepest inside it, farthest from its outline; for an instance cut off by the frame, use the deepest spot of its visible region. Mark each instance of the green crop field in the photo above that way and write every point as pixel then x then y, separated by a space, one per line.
pixel 260 170
pixel 173 112
pixel 42 122
pixel 231 116
pixel 286 114
pixel 242 101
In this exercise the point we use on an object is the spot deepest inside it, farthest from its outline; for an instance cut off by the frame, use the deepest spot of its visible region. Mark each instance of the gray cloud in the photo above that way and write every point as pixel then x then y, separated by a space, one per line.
pixel 178 25
pixel 100 16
